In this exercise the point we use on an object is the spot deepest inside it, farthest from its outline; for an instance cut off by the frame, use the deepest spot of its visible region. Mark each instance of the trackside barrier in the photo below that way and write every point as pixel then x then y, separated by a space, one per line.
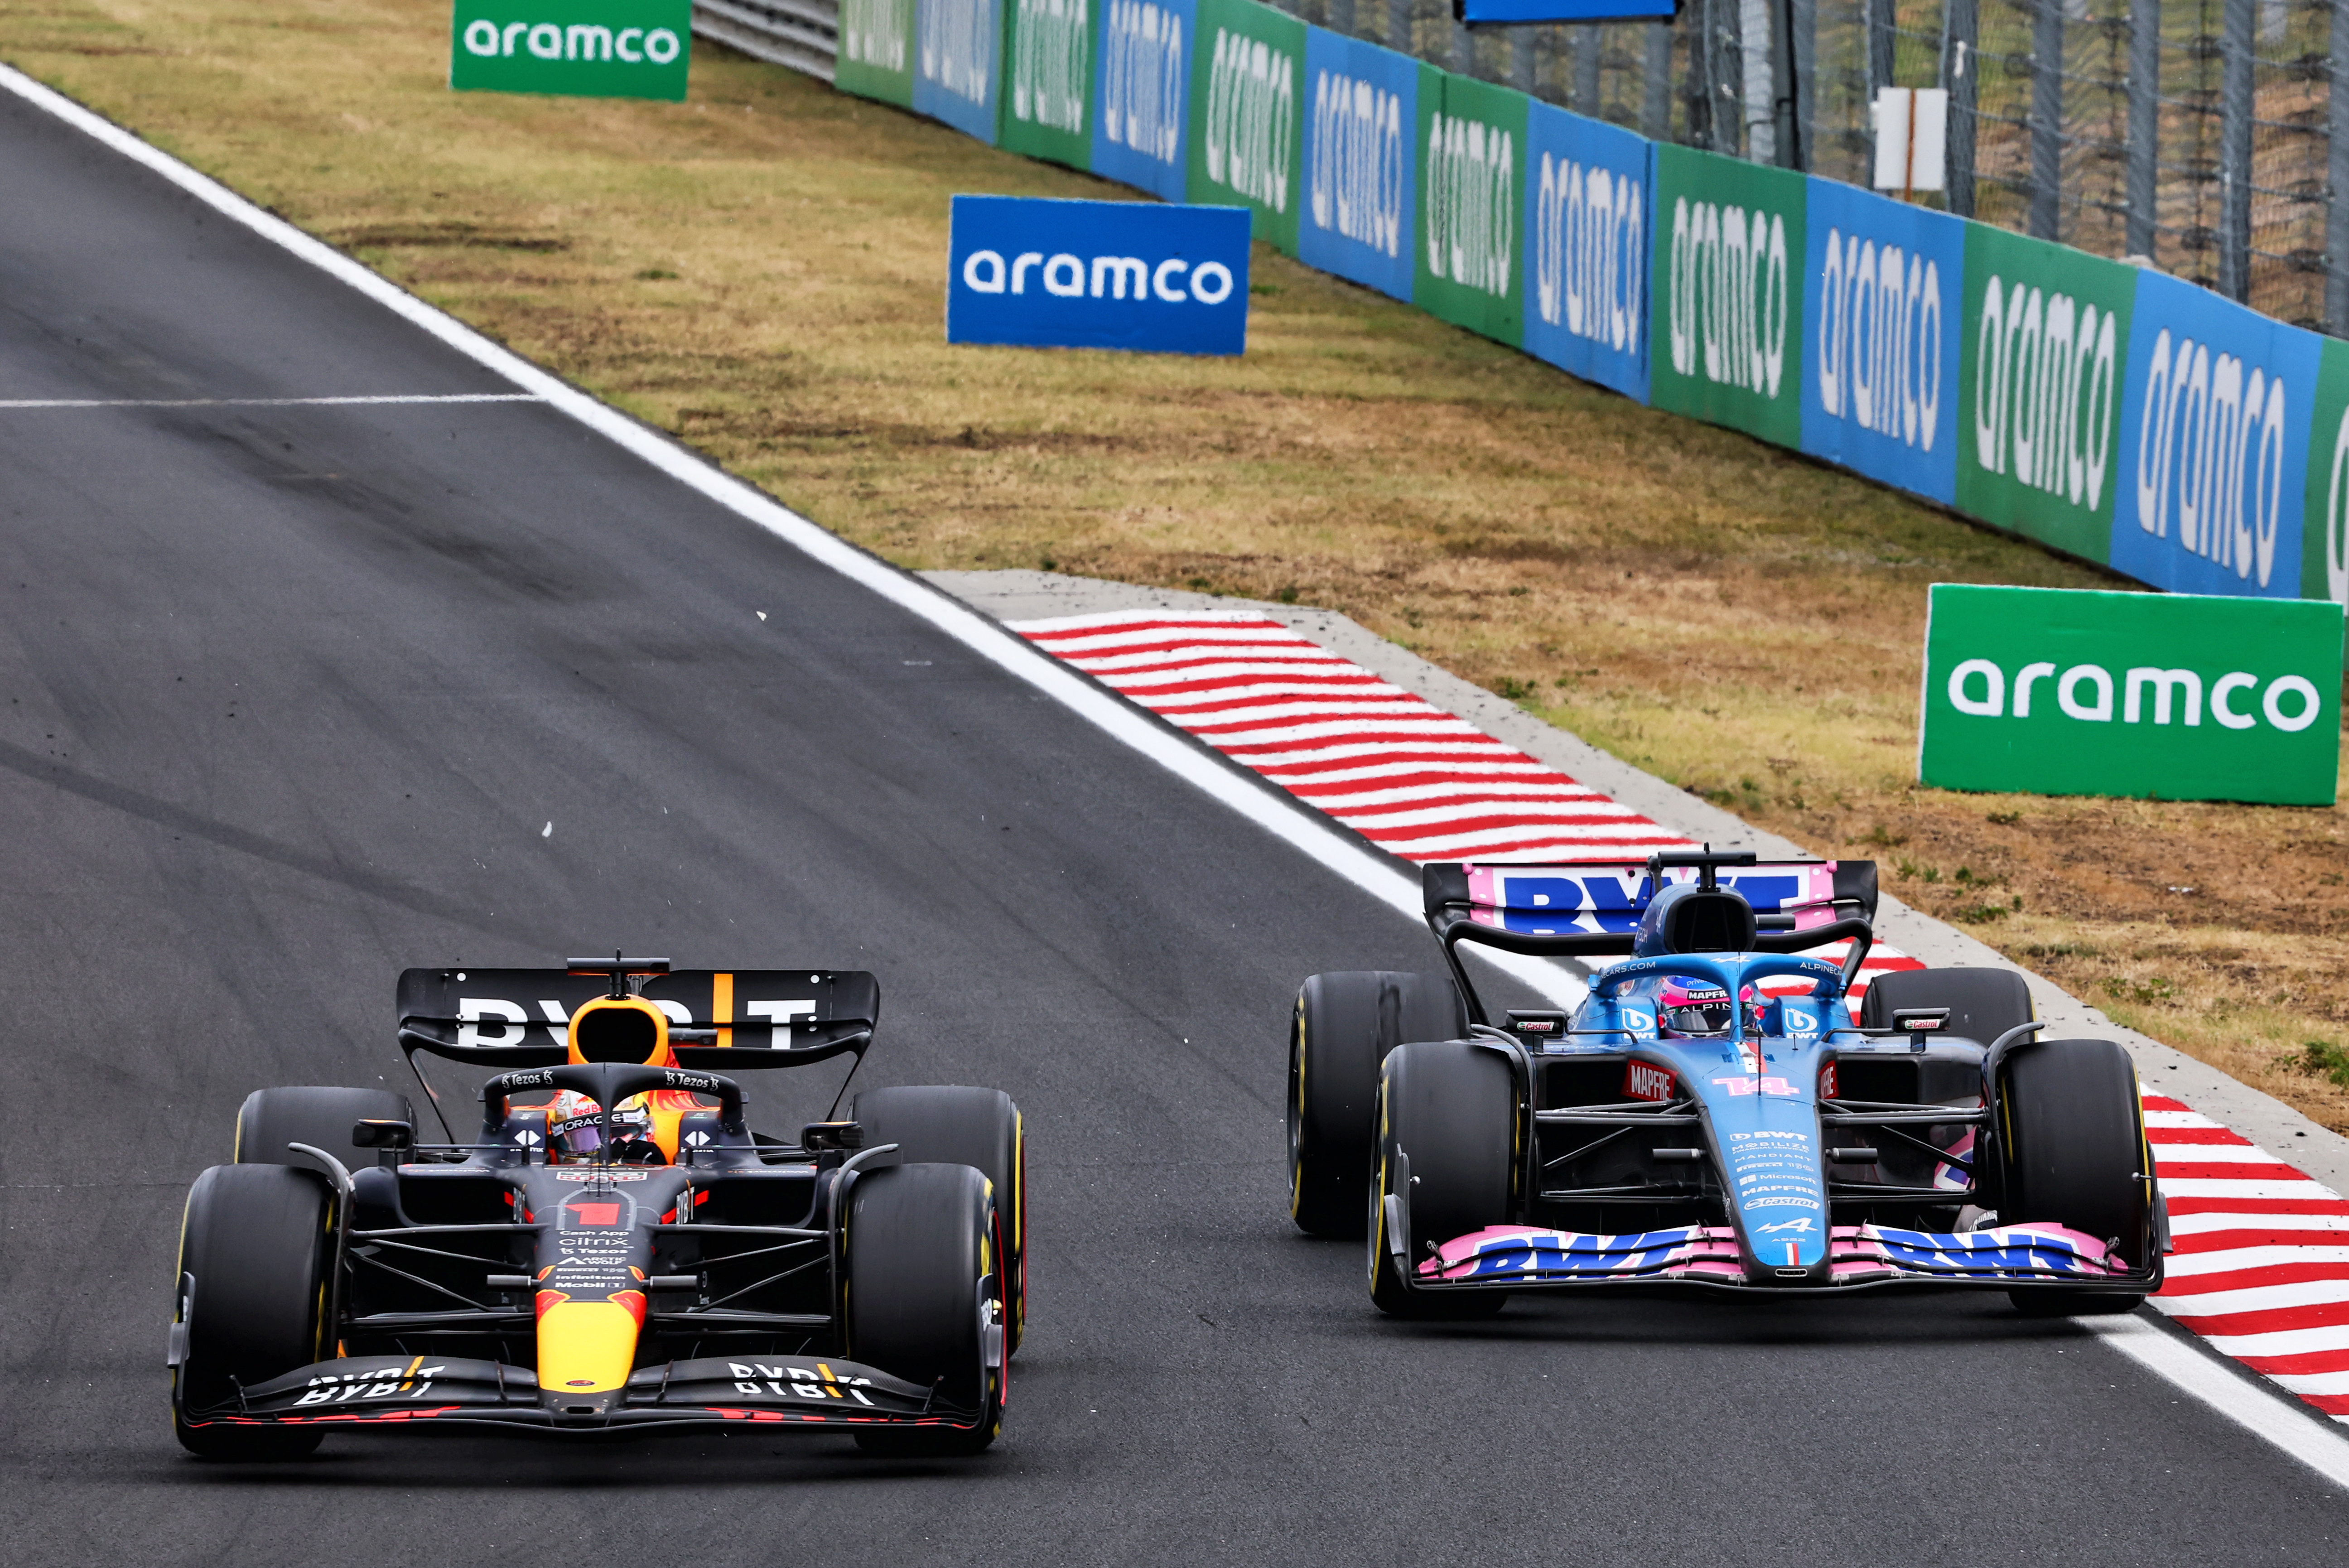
pixel 2114 414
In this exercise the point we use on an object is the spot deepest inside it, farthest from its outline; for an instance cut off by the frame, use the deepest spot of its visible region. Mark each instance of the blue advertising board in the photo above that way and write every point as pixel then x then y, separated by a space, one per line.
pixel 1362 129
pixel 1097 274
pixel 1589 189
pixel 958 46
pixel 1477 12
pixel 2214 444
pixel 1883 289
pixel 1142 81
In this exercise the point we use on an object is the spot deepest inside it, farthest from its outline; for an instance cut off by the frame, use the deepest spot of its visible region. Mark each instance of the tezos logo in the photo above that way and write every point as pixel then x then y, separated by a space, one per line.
pixel 572 41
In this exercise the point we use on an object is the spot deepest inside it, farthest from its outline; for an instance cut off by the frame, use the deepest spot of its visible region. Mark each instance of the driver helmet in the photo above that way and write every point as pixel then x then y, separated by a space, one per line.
pixel 575 1133
pixel 1699 1009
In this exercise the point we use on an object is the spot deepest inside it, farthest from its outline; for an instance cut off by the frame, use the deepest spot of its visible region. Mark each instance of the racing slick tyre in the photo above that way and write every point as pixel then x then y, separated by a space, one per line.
pixel 1343 1027
pixel 922 1297
pixel 322 1118
pixel 255 1247
pixel 1449 1108
pixel 2073 1135
pixel 977 1128
pixel 1984 1003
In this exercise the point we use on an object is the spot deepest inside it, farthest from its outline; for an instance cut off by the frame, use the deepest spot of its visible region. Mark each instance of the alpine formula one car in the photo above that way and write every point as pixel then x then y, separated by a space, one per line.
pixel 1712 1115
pixel 614 1250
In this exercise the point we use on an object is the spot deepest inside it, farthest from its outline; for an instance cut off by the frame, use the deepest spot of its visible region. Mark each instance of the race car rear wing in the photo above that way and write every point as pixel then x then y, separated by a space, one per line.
pixel 1593 908
pixel 726 1020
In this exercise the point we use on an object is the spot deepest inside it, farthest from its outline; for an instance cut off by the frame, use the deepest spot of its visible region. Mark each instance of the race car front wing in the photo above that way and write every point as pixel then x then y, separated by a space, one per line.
pixel 423 1391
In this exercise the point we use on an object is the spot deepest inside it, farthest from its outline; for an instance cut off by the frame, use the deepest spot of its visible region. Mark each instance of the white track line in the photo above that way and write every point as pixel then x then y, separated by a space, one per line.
pixel 2293 1427
pixel 2269 1416
pixel 264 402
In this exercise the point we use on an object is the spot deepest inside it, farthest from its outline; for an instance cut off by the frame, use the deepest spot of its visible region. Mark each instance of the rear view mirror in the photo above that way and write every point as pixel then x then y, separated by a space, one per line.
pixel 383 1134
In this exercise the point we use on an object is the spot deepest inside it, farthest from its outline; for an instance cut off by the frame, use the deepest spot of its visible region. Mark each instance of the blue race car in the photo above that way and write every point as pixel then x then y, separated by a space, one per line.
pixel 1712 1115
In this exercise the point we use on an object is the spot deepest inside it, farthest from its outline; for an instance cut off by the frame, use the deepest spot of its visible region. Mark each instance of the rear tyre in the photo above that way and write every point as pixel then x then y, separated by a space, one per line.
pixel 1452 1108
pixel 1341 1029
pixel 978 1127
pixel 1984 1003
pixel 2073 1154
pixel 923 1298
pixel 255 1247
pixel 321 1117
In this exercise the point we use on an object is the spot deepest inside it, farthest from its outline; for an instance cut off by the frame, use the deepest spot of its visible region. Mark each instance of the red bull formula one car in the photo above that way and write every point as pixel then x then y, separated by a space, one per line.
pixel 614 1249
pixel 1713 1115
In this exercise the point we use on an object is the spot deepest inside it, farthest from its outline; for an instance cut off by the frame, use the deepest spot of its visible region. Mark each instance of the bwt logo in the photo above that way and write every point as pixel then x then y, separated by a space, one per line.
pixel 2043 375
pixel 1054 59
pixel 1210 281
pixel 2218 435
pixel 958 48
pixel 1141 79
pixel 1470 220
pixel 2084 692
pixel 1880 339
pixel 1589 242
pixel 1251 120
pixel 1359 163
pixel 1728 280
pixel 873 32
pixel 576 41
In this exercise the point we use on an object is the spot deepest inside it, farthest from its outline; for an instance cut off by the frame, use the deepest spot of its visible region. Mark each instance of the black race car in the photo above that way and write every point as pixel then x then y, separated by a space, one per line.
pixel 614 1249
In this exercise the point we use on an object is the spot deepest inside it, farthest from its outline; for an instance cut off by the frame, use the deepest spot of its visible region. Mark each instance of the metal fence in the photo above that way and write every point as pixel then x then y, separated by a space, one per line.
pixel 2211 136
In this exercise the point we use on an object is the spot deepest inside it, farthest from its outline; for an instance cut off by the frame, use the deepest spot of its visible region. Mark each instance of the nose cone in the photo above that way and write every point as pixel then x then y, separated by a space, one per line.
pixel 586 1348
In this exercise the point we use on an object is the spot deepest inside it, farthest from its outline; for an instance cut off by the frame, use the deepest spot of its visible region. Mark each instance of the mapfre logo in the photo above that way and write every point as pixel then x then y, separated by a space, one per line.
pixel 1646 1081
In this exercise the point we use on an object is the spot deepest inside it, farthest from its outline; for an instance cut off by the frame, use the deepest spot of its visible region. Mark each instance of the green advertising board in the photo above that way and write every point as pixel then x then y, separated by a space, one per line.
pixel 1047 63
pixel 1726 323
pixel 2156 696
pixel 2324 539
pixel 589 49
pixel 1472 168
pixel 2044 347
pixel 876 55
pixel 1247 87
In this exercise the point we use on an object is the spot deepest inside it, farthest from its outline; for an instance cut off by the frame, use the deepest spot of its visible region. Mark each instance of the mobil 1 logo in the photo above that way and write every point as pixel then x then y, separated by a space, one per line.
pixel 1097 274
pixel 580 49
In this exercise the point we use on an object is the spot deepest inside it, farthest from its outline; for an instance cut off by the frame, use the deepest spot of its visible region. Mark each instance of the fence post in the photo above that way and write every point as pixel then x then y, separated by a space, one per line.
pixel 1961 74
pixel 2143 146
pixel 2047 119
pixel 1878 18
pixel 1802 58
pixel 1656 94
pixel 2235 150
pixel 2336 208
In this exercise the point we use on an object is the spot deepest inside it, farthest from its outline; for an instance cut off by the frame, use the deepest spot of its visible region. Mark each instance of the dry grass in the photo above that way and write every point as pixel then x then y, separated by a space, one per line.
pixel 760 270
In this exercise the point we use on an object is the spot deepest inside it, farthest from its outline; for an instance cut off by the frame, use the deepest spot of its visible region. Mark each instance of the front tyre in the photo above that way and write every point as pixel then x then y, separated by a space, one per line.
pixel 923 1301
pixel 320 1116
pixel 1448 1111
pixel 256 1249
pixel 1341 1029
pixel 2071 1137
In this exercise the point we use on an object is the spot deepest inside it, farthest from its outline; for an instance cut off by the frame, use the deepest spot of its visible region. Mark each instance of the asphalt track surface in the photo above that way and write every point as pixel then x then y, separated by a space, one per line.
pixel 292 692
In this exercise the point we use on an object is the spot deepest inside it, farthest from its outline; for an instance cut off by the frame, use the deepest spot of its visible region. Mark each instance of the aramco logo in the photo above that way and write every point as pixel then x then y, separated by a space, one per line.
pixel 1588 247
pixel 1880 339
pixel 1471 216
pixel 2084 692
pixel 1251 119
pixel 874 32
pixel 1050 62
pixel 1728 302
pixel 570 41
pixel 2210 452
pixel 958 48
pixel 2043 383
pixel 1141 79
pixel 1360 161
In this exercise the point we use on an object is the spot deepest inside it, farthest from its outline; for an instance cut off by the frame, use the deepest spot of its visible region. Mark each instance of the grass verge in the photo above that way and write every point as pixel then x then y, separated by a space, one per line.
pixel 760 270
